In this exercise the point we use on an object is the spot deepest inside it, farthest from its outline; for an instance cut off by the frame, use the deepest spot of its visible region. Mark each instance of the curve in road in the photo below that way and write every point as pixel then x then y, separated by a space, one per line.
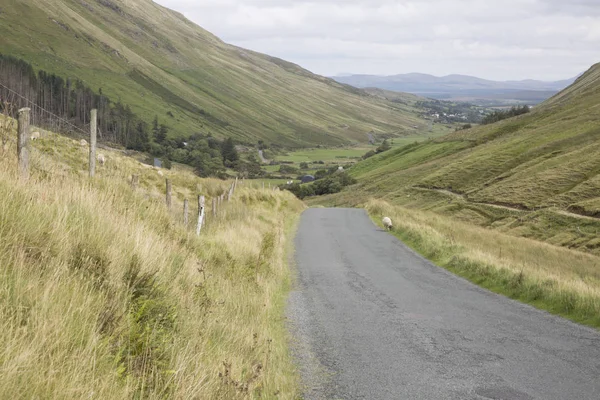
pixel 374 320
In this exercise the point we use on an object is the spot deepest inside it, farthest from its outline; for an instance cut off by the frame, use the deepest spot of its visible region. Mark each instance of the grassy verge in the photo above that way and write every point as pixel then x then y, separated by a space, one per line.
pixel 104 293
pixel 559 280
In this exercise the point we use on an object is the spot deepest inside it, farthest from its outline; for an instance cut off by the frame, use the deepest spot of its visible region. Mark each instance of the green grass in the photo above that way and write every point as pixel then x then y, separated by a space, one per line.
pixel 156 61
pixel 312 155
pixel 527 176
pixel 343 156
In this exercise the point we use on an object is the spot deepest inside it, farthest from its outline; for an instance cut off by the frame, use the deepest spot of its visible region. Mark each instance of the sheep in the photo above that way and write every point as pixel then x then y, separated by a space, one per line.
pixel 35 135
pixel 101 159
pixel 387 223
pixel 160 173
pixel 83 143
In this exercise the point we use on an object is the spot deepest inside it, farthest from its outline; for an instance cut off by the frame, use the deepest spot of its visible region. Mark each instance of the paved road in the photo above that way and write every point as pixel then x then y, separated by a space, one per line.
pixel 373 320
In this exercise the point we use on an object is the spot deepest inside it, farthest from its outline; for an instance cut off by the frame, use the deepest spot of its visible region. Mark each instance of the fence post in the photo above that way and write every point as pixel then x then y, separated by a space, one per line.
pixel 93 131
pixel 230 193
pixel 23 142
pixel 135 180
pixel 168 193
pixel 235 183
pixel 214 206
pixel 200 214
pixel 263 185
pixel 186 211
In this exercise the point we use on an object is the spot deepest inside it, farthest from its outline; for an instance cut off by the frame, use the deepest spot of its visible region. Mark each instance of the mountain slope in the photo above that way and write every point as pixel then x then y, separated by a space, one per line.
pixel 456 86
pixel 537 175
pixel 158 62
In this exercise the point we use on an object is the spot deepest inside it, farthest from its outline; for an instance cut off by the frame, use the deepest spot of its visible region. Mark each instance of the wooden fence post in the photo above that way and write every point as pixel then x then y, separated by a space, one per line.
pixel 230 193
pixel 186 211
pixel 200 214
pixel 135 180
pixel 263 185
pixel 214 204
pixel 93 132
pixel 23 142
pixel 168 193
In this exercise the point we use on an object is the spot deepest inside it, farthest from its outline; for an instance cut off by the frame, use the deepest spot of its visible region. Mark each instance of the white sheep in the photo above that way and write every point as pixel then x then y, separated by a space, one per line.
pixel 35 135
pixel 101 159
pixel 83 143
pixel 387 223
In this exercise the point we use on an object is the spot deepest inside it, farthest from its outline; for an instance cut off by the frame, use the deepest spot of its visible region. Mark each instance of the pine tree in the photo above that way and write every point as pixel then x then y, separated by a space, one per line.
pixel 228 151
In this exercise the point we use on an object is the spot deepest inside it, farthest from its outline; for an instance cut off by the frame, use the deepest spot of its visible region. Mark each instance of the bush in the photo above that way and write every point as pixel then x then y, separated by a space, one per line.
pixel 330 184
pixel 287 169
pixel 320 174
pixel 385 146
pixel 303 165
pixel 368 154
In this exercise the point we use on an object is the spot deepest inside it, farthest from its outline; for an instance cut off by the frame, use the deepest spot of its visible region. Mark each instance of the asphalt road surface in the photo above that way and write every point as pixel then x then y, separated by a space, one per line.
pixel 374 320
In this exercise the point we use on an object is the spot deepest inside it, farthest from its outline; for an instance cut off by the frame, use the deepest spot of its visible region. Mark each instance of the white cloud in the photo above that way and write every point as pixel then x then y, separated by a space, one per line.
pixel 512 39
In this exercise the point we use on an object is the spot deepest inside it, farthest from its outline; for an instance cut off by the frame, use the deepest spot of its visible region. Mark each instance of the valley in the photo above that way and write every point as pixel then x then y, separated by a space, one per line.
pixel 231 236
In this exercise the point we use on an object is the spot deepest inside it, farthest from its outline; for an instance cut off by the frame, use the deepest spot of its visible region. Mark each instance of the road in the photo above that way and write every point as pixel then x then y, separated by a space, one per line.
pixel 261 155
pixel 371 319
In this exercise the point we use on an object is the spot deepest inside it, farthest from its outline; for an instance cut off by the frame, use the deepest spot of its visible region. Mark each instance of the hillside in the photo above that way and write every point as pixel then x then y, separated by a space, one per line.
pixel 460 87
pixel 536 175
pixel 159 63
pixel 106 293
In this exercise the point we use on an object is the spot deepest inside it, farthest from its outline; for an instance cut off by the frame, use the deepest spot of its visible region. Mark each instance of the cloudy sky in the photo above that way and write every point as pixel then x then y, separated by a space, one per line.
pixel 508 39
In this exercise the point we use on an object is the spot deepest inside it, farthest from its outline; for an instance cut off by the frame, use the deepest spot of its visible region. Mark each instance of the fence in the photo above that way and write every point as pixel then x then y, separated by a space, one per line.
pixel 25 137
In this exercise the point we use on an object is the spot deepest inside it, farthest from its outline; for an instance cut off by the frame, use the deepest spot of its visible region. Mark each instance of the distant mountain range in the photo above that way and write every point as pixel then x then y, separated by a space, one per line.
pixel 460 87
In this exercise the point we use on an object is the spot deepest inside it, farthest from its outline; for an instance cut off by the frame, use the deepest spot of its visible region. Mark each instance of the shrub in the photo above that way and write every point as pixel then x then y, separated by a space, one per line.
pixel 287 169
pixel 368 154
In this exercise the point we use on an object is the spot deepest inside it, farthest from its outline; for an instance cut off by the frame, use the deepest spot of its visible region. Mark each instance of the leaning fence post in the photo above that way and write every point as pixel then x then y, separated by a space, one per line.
pixel 168 193
pixel 135 180
pixel 23 142
pixel 186 211
pixel 93 131
pixel 200 214
pixel 230 193
pixel 214 206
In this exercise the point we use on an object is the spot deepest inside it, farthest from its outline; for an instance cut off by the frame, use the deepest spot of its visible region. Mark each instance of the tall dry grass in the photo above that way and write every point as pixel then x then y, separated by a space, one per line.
pixel 557 279
pixel 105 294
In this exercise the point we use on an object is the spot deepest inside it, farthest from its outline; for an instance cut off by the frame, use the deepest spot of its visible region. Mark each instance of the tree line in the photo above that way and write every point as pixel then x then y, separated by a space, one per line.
pixel 63 105
pixel 500 115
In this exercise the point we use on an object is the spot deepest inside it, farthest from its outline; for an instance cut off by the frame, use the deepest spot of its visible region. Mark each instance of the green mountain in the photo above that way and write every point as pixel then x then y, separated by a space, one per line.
pixel 159 63
pixel 536 175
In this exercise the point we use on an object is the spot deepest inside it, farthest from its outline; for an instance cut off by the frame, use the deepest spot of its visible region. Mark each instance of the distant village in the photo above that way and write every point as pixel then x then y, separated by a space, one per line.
pixel 446 112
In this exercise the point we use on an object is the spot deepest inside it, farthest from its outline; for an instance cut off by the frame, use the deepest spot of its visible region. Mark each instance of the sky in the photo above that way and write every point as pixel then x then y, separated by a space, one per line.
pixel 500 40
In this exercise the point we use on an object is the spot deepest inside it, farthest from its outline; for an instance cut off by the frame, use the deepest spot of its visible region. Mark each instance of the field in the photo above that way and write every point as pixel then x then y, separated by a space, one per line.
pixel 105 293
pixel 562 281
pixel 328 157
